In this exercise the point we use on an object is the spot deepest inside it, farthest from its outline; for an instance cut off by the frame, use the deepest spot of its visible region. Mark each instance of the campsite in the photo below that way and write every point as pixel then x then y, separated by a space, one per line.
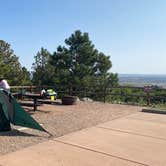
pixel 59 120
pixel 83 83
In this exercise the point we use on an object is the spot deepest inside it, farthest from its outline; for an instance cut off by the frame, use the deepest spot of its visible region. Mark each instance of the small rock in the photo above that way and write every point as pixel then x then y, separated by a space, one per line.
pixel 87 99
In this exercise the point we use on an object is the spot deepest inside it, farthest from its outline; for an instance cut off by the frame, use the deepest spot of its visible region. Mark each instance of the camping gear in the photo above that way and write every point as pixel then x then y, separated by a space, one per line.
pixel 52 97
pixel 51 94
pixel 12 112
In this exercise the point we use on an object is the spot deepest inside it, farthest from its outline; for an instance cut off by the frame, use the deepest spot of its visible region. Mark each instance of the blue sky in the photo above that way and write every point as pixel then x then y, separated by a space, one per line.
pixel 132 32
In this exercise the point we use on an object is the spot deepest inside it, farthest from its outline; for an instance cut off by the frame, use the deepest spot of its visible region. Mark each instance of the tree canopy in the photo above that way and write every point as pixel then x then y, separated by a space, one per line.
pixel 77 63
pixel 76 66
pixel 11 68
pixel 43 73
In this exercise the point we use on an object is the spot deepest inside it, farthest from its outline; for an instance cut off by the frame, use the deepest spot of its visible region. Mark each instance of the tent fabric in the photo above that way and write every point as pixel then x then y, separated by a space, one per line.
pixel 15 113
pixel 22 118
pixel 7 105
pixel 4 122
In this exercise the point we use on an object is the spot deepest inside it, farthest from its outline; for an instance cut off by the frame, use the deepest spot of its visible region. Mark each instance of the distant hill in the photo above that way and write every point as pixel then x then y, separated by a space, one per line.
pixel 142 80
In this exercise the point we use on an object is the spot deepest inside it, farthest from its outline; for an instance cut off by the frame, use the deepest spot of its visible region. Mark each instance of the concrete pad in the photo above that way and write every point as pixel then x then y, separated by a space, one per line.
pixel 53 153
pixel 146 150
pixel 135 140
pixel 157 118
pixel 135 126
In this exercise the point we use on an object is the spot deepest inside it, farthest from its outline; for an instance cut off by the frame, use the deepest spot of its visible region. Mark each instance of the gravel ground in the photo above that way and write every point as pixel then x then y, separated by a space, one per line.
pixel 59 120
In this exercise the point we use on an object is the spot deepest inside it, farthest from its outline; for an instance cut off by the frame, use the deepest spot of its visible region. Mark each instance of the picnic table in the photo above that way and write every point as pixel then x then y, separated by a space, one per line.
pixel 34 96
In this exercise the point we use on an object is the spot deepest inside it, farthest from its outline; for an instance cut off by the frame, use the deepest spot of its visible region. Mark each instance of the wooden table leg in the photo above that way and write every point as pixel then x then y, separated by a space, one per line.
pixel 35 104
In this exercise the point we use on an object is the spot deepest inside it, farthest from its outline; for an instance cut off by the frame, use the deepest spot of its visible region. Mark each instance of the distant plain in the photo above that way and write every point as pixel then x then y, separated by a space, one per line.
pixel 142 80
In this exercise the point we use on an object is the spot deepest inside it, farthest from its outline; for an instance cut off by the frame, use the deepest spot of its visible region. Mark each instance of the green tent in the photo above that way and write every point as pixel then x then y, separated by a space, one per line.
pixel 14 113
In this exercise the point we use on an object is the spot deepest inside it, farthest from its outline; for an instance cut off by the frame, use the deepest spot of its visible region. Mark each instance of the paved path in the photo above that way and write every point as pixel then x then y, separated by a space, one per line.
pixel 135 140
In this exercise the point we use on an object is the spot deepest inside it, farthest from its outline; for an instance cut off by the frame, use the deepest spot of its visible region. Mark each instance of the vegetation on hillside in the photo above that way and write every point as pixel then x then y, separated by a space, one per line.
pixel 77 68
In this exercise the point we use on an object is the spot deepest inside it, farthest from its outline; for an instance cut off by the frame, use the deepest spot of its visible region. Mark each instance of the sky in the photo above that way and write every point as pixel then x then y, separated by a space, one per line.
pixel 132 32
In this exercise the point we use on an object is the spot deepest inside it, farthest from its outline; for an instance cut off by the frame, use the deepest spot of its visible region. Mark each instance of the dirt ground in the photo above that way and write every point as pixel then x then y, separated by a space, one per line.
pixel 62 119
